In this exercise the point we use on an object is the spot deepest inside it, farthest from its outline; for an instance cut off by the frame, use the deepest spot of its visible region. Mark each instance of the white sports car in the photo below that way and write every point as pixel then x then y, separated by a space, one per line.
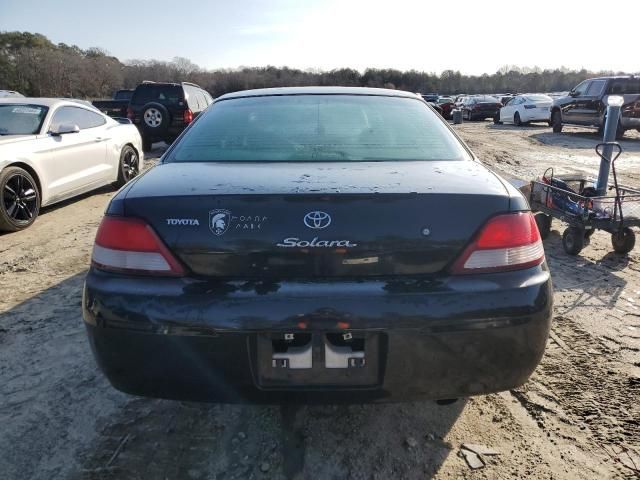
pixel 526 108
pixel 53 149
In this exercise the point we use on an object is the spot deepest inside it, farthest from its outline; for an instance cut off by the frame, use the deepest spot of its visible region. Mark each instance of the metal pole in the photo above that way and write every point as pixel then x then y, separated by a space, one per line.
pixel 610 129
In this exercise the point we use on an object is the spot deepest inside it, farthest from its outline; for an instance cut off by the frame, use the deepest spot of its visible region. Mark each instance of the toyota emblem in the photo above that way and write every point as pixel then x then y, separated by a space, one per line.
pixel 317 220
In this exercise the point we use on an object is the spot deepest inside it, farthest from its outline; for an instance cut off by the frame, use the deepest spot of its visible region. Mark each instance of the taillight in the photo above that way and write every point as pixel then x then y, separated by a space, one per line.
pixel 188 116
pixel 506 242
pixel 130 115
pixel 130 245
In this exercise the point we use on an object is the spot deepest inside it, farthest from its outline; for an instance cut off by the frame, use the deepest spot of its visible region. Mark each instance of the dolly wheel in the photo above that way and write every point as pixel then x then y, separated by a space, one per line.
pixel 623 241
pixel 544 224
pixel 573 240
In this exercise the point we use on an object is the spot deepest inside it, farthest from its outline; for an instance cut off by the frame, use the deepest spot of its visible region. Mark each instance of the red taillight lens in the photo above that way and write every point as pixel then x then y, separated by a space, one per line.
pixel 130 245
pixel 130 115
pixel 188 116
pixel 506 242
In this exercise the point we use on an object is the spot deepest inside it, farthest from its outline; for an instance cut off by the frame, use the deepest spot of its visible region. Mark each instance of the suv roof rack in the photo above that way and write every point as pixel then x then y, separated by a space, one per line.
pixel 192 84
pixel 148 81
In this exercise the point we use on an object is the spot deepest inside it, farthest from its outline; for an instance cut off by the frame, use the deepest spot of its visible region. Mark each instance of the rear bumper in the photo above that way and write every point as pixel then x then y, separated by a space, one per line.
pixel 484 113
pixel 184 339
pixel 536 115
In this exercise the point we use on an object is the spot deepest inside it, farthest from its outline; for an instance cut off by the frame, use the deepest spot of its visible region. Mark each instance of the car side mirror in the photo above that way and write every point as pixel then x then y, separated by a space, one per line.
pixel 574 94
pixel 64 128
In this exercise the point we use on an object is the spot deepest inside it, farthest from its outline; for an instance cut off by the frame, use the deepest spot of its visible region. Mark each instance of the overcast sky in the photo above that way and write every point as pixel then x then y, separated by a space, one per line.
pixel 471 36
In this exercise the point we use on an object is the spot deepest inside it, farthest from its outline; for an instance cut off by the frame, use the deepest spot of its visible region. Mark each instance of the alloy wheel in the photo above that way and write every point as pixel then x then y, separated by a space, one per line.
pixel 19 198
pixel 152 117
pixel 129 165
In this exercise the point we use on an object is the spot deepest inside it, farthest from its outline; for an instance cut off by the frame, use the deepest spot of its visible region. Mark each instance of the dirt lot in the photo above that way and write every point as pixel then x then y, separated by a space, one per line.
pixel 578 416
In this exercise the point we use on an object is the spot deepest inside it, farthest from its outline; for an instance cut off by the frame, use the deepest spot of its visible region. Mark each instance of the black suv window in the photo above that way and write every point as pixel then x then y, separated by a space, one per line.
pixel 582 88
pixel 76 116
pixel 164 94
pixel 622 86
pixel 596 88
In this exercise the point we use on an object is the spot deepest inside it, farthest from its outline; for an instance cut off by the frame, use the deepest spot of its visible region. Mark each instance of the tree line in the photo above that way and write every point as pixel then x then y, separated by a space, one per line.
pixel 33 65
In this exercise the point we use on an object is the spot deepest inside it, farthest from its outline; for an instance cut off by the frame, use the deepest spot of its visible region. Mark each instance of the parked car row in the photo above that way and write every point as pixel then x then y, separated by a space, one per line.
pixel 585 105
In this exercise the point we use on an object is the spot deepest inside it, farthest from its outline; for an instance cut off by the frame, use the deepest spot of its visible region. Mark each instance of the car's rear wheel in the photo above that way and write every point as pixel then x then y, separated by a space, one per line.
pixel 516 120
pixel 573 240
pixel 129 165
pixel 623 241
pixel 19 199
pixel 544 224
pixel 556 122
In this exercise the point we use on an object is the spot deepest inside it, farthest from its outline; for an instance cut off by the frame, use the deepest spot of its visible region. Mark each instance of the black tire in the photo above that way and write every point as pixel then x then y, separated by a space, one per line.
pixel 544 224
pixel 516 120
pixel 556 121
pixel 129 165
pixel 19 199
pixel 619 130
pixel 147 144
pixel 623 241
pixel 573 240
pixel 154 119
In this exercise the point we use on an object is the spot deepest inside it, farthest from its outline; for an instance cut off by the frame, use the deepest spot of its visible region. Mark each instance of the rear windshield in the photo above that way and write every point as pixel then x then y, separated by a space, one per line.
pixel 538 98
pixel 21 119
pixel 165 94
pixel 318 128
pixel 622 86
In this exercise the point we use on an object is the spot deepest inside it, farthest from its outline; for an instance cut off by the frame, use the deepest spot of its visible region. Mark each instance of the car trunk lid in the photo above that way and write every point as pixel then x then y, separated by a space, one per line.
pixel 303 220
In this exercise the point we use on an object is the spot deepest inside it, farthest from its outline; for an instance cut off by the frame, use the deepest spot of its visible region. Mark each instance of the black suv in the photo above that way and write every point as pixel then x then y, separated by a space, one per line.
pixel 586 104
pixel 161 111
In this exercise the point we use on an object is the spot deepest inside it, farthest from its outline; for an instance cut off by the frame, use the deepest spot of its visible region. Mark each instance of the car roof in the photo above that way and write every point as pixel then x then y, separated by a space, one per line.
pixel 282 91
pixel 52 102
pixel 615 77
pixel 46 102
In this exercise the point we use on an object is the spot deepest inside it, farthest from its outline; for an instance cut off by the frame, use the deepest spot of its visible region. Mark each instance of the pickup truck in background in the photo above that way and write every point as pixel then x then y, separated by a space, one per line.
pixel 117 106
pixel 586 104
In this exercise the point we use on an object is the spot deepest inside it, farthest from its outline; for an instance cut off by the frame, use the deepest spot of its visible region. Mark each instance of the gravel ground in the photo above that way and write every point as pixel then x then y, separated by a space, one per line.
pixel 578 416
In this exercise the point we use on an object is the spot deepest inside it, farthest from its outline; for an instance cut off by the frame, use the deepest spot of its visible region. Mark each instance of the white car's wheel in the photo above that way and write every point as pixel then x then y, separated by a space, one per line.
pixel 129 165
pixel 517 121
pixel 19 199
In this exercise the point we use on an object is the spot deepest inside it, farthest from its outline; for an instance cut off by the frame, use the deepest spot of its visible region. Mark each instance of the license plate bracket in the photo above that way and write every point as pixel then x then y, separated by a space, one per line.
pixel 319 359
